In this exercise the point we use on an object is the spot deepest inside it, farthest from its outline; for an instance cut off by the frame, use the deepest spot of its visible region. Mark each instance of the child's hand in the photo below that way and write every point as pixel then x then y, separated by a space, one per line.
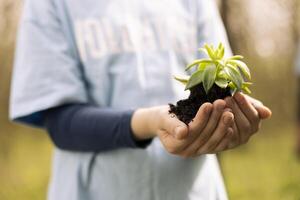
pixel 210 131
pixel 248 113
pixel 216 127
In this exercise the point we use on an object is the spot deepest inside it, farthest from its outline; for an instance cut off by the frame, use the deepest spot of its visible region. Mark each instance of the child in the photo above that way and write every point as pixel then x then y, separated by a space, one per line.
pixel 97 75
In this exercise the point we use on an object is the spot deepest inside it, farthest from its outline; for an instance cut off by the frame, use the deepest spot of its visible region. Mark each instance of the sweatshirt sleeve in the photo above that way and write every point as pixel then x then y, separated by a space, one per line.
pixel 47 72
pixel 86 128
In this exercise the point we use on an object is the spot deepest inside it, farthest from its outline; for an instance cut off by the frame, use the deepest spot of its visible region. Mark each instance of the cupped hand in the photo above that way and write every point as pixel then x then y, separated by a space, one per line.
pixel 248 114
pixel 216 127
pixel 209 132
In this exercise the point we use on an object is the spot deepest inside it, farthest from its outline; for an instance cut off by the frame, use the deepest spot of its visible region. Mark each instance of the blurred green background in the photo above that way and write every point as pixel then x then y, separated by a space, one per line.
pixel 265 32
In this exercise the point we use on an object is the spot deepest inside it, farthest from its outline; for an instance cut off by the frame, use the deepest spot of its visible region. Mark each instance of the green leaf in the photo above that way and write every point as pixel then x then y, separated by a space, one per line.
pixel 203 50
pixel 246 90
pixel 247 84
pixel 232 85
pixel 183 80
pixel 220 46
pixel 242 66
pixel 221 62
pixel 220 51
pixel 210 51
pixel 234 75
pixel 201 66
pixel 194 80
pixel 236 57
pixel 209 77
pixel 223 75
pixel 221 82
pixel 197 62
pixel 233 67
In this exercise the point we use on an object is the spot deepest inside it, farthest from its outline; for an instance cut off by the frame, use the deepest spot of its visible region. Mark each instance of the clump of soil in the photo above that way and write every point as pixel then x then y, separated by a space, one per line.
pixel 187 109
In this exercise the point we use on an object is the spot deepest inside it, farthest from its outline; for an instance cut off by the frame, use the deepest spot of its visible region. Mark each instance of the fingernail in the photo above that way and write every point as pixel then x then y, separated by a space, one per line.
pixel 237 96
pixel 240 98
pixel 207 109
pixel 227 100
pixel 222 107
pixel 227 120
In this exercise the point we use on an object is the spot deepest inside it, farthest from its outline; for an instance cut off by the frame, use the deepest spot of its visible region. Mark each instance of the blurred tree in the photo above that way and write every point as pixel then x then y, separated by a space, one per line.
pixel 10 11
pixel 264 31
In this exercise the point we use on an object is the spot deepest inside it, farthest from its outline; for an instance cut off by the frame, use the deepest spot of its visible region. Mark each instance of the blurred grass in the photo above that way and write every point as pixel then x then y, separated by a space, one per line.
pixel 24 164
pixel 266 168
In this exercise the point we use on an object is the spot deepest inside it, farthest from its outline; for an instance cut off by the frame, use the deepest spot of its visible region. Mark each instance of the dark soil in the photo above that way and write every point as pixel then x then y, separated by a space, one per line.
pixel 186 109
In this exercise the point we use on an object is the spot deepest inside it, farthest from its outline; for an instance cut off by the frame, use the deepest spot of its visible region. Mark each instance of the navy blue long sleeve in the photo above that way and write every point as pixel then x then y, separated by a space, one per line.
pixel 80 127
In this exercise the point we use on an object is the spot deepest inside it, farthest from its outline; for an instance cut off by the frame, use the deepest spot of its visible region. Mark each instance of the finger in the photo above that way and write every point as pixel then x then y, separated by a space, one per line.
pixel 236 138
pixel 202 136
pixel 218 108
pixel 174 143
pixel 243 125
pixel 201 118
pixel 249 111
pixel 181 132
pixel 173 126
pixel 169 142
pixel 263 111
pixel 196 126
pixel 223 145
pixel 173 132
pixel 218 134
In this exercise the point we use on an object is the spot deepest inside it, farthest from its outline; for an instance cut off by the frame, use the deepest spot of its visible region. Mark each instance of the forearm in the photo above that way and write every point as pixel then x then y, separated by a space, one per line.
pixel 144 122
pixel 89 128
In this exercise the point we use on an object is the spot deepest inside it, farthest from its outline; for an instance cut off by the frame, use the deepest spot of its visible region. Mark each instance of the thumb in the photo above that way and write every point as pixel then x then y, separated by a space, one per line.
pixel 181 132
pixel 174 127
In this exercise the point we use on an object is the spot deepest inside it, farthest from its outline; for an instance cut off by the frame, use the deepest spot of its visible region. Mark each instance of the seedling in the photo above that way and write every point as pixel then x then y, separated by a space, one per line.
pixel 215 77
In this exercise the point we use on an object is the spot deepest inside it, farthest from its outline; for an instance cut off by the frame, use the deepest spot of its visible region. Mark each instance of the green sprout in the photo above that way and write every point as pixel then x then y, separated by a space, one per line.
pixel 224 72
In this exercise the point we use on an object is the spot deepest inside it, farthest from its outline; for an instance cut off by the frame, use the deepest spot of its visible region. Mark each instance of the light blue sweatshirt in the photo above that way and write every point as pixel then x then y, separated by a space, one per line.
pixel 120 54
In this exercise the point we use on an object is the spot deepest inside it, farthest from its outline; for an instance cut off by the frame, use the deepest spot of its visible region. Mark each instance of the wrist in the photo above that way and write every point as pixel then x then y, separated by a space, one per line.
pixel 143 123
